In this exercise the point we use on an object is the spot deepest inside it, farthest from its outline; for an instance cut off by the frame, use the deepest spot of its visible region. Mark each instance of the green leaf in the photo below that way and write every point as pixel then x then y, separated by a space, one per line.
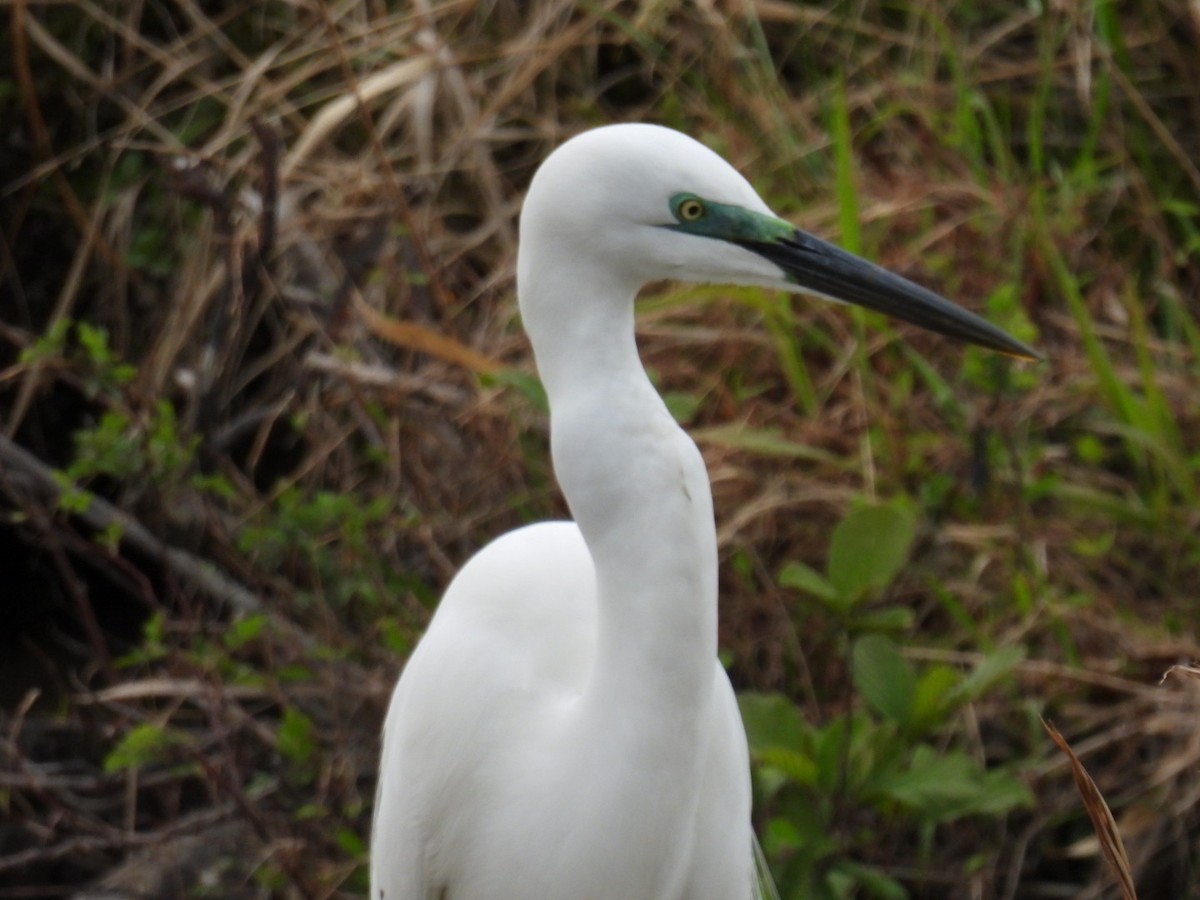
pixel 350 843
pixel 935 696
pixel 529 387
pixel 829 750
pixel 294 673
pixel 682 406
pixel 295 736
pixel 772 720
pixel 999 793
pixel 765 442
pixel 844 180
pixel 781 834
pixel 395 638
pixel 933 783
pixel 869 547
pixel 874 883
pixel 245 630
pixel 947 786
pixel 799 768
pixel 804 578
pixel 994 667
pixel 884 678
pixel 49 345
pixel 142 745
pixel 890 618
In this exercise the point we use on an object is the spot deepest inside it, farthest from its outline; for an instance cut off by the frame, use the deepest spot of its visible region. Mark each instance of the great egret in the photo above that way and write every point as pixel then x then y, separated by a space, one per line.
pixel 564 731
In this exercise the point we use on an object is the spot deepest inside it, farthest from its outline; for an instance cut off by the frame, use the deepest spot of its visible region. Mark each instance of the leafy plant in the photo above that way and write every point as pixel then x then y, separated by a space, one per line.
pixel 866 552
pixel 330 541
pixel 885 760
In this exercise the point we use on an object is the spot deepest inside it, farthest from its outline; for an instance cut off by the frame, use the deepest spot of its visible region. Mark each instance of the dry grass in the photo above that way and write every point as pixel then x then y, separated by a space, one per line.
pixel 297 223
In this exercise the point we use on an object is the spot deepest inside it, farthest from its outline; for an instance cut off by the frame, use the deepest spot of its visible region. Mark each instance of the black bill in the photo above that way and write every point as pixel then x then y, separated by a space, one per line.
pixel 819 266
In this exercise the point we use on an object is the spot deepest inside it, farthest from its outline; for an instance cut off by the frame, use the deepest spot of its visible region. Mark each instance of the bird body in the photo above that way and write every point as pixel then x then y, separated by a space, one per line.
pixel 564 731
pixel 535 793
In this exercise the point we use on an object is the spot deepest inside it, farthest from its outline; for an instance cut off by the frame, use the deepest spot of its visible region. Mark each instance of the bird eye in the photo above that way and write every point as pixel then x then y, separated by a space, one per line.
pixel 690 209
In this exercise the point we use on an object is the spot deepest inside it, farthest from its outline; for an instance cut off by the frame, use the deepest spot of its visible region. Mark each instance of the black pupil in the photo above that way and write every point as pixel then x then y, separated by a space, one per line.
pixel 691 209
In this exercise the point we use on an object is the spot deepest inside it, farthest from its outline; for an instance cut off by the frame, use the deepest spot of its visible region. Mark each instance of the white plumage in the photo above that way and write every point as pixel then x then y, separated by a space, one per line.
pixel 564 731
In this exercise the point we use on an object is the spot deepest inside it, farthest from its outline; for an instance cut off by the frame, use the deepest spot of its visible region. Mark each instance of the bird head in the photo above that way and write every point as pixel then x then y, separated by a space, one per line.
pixel 647 203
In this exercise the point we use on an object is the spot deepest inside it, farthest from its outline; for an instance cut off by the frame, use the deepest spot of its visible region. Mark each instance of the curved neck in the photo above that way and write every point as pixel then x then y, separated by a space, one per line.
pixel 639 491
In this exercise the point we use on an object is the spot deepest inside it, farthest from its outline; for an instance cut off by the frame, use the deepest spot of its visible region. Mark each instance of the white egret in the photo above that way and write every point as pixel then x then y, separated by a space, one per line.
pixel 564 731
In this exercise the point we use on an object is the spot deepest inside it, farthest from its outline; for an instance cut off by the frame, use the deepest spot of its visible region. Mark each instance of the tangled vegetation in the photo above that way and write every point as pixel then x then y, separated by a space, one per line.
pixel 263 389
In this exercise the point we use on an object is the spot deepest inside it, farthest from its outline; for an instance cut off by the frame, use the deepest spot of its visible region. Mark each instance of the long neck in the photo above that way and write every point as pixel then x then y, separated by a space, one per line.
pixel 638 489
